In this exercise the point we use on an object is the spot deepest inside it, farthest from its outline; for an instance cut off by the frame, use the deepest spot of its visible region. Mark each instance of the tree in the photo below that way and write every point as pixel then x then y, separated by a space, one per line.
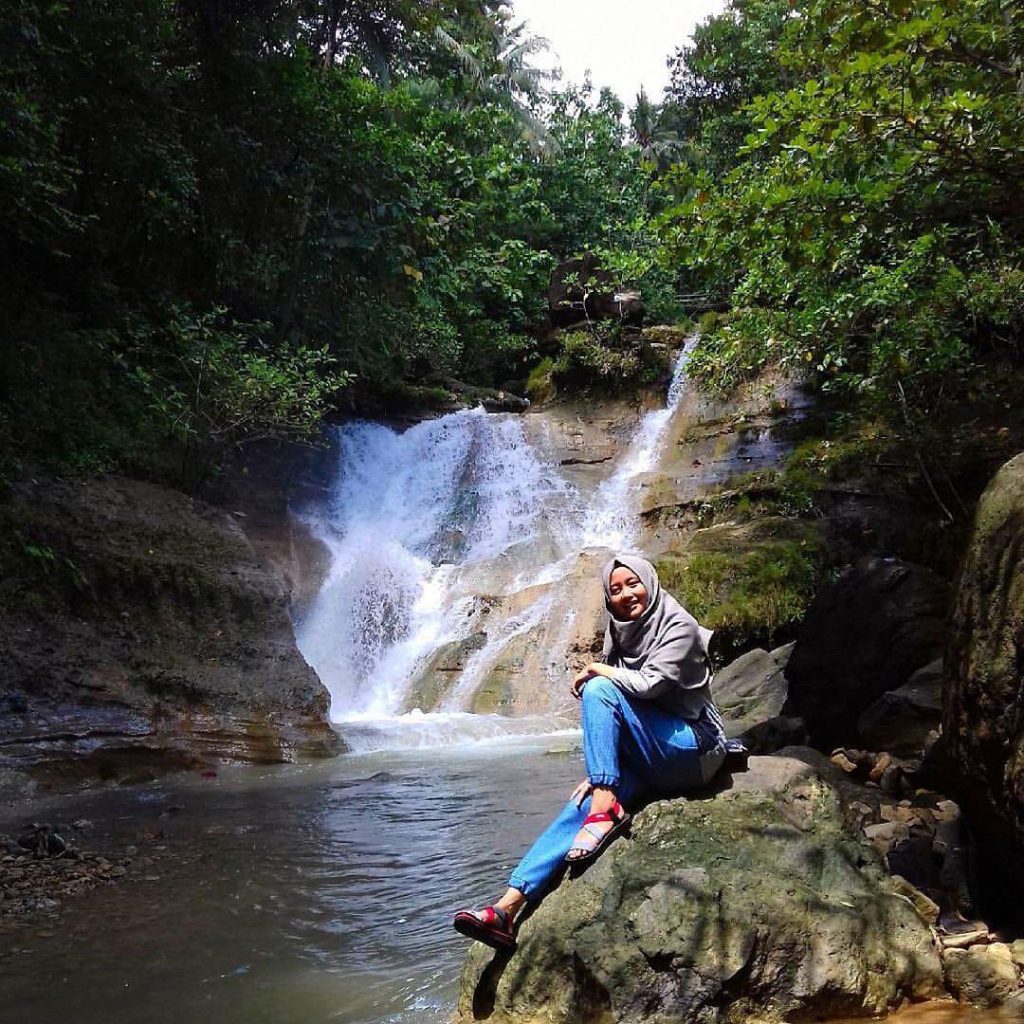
pixel 872 230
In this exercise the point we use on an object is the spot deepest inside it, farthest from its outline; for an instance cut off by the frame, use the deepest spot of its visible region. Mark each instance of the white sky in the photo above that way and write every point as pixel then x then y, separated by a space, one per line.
pixel 624 43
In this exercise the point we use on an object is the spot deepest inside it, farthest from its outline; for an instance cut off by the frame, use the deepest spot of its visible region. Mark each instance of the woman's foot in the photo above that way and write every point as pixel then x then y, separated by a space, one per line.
pixel 598 830
pixel 491 925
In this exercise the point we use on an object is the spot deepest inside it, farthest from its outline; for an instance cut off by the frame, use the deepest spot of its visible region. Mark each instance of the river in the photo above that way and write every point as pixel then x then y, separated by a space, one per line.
pixel 315 893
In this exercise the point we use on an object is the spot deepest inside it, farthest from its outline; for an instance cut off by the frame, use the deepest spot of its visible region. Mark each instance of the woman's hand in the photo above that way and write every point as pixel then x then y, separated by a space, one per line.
pixel 576 686
pixel 581 792
pixel 595 668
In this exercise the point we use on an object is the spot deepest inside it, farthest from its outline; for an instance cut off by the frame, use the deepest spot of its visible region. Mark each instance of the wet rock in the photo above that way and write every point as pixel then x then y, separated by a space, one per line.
pixel 982 723
pixel 863 635
pixel 900 721
pixel 981 975
pixel 433 685
pixel 752 900
pixel 161 643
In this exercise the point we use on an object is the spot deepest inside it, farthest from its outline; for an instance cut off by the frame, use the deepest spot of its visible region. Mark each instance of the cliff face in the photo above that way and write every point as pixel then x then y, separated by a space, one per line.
pixel 140 633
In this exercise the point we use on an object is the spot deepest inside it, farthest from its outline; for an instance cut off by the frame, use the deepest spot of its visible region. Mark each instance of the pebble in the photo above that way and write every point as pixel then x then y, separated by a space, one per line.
pixel 964 939
pixel 883 762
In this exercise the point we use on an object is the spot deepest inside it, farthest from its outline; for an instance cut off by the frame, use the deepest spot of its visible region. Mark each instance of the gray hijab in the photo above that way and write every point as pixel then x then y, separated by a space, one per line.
pixel 666 642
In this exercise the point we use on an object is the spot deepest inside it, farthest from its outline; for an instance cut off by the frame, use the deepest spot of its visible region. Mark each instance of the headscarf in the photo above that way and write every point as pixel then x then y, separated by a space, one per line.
pixel 665 642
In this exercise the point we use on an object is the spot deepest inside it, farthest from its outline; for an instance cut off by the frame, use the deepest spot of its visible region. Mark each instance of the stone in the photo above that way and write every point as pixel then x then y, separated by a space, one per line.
pixel 1017 952
pixel 840 760
pixel 738 901
pixel 773 734
pixel 581 289
pixel 961 940
pixel 862 636
pixel 981 975
pixel 878 769
pixel 170 644
pixel 901 720
pixel 981 722
pixel 926 907
pixel 884 834
pixel 752 689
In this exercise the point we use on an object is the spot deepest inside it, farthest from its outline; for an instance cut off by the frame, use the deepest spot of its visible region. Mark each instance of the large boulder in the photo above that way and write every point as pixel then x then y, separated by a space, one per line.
pixel 863 635
pixel 983 718
pixel 142 634
pixel 902 720
pixel 753 901
pixel 752 688
pixel 581 289
pixel 751 693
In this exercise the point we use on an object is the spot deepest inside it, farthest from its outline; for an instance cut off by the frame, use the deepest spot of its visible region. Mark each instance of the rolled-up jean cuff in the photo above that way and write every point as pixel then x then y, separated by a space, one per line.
pixel 611 781
pixel 515 882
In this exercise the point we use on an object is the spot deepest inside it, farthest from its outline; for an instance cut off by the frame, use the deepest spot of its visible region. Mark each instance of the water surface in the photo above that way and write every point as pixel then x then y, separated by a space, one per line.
pixel 293 894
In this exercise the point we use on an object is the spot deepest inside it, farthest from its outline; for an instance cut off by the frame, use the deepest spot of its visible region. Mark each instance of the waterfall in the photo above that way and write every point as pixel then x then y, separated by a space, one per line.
pixel 611 521
pixel 456 530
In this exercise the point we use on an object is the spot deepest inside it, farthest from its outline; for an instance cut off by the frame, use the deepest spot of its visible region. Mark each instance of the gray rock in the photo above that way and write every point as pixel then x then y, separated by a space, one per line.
pixel 163 643
pixel 724 906
pixel 900 720
pixel 752 689
pixel 982 721
pixel 981 975
pixel 863 635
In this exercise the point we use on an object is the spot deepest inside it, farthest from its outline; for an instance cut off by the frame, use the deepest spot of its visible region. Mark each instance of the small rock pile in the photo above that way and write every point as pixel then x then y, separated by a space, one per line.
pixel 43 866
pixel 924 844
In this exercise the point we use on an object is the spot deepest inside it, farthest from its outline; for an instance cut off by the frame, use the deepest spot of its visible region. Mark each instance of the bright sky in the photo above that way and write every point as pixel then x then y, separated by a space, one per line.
pixel 624 43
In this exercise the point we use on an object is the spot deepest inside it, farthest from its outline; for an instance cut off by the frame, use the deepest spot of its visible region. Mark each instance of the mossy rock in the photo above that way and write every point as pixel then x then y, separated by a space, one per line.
pixel 750 582
pixel 750 901
pixel 497 693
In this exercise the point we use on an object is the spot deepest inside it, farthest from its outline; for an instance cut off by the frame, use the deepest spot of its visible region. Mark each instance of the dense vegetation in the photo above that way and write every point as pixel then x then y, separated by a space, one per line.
pixel 220 220
pixel 854 190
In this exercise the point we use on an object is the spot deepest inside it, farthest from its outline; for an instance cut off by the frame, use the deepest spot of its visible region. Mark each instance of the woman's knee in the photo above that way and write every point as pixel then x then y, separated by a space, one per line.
pixel 601 689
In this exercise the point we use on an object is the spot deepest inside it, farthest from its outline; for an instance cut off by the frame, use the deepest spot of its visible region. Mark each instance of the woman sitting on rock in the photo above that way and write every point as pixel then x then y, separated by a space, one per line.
pixel 649 728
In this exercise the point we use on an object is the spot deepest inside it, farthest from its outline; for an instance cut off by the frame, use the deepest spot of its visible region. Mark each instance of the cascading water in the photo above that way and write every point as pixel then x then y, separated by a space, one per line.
pixel 455 530
pixel 611 520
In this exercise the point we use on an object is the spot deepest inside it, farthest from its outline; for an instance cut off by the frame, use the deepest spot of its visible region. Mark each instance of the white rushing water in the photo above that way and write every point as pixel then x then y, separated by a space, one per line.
pixel 455 528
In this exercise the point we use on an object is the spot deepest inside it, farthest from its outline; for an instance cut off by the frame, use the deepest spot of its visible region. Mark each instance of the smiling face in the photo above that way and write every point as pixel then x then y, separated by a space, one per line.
pixel 627 596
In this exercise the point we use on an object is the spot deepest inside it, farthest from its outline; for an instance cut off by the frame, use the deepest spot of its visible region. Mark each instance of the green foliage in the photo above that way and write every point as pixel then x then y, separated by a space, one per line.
pixel 218 224
pixel 755 592
pixel 869 232
pixel 592 357
pixel 540 385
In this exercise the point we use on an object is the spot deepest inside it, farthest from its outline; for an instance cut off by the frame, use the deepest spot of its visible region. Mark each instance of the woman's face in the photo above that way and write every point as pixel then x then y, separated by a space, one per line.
pixel 627 595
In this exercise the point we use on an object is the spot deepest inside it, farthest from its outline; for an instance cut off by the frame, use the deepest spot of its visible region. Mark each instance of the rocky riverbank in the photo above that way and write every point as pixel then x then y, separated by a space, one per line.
pixel 140 634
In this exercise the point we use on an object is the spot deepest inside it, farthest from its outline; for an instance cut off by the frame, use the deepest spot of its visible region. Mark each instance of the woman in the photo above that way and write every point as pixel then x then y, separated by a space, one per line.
pixel 649 727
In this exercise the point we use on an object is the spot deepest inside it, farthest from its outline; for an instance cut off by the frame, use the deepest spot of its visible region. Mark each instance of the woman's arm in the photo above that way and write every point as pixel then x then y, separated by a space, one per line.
pixel 664 669
pixel 595 668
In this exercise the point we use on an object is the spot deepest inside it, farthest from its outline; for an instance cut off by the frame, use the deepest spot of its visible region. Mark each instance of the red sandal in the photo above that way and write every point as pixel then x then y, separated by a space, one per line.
pixel 494 929
pixel 596 841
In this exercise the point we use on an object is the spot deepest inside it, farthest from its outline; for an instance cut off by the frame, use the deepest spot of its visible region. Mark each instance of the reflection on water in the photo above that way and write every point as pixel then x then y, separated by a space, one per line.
pixel 321 893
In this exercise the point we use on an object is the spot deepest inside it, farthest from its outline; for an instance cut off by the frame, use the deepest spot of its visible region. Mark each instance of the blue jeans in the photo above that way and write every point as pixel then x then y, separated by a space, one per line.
pixel 630 745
